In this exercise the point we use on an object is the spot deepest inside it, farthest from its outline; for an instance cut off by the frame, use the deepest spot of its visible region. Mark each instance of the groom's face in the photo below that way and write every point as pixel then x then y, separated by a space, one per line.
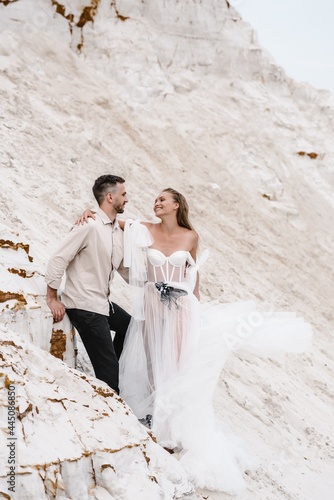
pixel 120 199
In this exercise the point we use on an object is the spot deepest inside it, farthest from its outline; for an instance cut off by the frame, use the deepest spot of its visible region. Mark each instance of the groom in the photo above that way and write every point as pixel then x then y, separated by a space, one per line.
pixel 89 255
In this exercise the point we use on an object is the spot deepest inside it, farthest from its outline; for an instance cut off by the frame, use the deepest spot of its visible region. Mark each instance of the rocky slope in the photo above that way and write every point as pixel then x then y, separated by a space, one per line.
pixel 181 94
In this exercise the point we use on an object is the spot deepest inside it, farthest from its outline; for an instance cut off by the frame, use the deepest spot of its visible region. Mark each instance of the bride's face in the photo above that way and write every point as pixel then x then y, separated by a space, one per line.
pixel 164 204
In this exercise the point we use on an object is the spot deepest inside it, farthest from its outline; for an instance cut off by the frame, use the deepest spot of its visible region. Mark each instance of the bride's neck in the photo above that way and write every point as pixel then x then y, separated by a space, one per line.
pixel 168 225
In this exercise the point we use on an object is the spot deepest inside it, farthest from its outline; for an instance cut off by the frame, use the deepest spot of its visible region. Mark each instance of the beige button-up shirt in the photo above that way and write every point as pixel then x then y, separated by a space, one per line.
pixel 89 254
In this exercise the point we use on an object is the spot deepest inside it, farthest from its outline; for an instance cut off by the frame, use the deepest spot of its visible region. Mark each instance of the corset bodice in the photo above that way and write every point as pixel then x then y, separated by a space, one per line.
pixel 166 268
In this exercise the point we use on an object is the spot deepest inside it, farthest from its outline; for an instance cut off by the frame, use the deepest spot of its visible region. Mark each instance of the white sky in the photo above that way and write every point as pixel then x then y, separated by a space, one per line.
pixel 299 34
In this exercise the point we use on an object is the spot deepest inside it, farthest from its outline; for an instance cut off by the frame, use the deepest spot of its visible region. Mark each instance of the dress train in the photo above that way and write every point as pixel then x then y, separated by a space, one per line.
pixel 173 354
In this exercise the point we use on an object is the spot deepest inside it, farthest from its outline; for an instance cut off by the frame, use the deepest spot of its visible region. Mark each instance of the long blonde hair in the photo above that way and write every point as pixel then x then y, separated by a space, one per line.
pixel 182 215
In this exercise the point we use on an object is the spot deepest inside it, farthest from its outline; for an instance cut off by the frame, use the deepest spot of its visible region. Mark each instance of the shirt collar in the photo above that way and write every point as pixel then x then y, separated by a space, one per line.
pixel 105 219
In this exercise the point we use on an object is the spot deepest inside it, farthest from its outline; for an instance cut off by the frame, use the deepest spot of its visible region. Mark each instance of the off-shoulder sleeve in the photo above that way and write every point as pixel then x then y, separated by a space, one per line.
pixel 193 268
pixel 136 240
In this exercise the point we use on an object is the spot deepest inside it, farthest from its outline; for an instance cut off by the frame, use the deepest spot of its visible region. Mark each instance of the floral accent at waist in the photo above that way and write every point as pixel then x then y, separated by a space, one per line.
pixel 169 294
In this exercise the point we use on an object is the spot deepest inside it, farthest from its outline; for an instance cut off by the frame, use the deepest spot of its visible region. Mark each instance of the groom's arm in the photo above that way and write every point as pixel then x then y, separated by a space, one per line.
pixel 74 241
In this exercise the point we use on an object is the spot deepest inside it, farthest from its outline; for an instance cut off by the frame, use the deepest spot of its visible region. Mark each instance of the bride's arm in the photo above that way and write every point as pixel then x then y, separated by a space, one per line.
pixel 85 216
pixel 91 214
pixel 193 253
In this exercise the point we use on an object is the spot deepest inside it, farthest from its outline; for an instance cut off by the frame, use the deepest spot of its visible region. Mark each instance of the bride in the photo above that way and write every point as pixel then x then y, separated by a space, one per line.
pixel 175 347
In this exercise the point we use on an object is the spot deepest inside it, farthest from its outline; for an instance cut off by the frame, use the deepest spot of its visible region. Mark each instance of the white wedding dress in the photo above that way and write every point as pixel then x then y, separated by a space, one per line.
pixel 175 349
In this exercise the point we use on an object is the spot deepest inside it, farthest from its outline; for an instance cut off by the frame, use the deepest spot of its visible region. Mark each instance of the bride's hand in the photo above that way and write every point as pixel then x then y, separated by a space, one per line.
pixel 85 216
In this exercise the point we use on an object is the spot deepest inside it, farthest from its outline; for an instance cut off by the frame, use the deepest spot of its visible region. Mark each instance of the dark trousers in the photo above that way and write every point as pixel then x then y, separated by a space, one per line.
pixel 94 330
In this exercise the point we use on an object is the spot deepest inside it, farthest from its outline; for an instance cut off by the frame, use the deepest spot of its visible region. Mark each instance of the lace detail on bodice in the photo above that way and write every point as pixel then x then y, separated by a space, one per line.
pixel 166 268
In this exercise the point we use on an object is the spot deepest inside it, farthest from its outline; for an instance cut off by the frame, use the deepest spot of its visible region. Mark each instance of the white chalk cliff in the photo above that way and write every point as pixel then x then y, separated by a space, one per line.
pixel 163 93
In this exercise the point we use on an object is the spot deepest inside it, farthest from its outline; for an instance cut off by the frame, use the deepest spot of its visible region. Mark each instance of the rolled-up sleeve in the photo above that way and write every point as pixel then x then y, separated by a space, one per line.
pixel 74 241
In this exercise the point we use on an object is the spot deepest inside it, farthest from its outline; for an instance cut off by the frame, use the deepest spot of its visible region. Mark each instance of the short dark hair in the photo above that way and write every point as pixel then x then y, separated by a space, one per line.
pixel 106 184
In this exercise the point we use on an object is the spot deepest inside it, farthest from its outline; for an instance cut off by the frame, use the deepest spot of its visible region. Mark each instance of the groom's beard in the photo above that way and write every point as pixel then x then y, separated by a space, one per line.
pixel 120 208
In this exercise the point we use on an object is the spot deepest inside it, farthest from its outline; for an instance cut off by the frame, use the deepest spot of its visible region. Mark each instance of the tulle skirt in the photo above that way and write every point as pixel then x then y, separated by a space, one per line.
pixel 170 366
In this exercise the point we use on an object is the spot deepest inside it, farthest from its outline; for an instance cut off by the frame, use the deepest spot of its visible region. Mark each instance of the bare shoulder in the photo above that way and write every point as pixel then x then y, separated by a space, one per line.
pixel 149 225
pixel 193 236
pixel 190 239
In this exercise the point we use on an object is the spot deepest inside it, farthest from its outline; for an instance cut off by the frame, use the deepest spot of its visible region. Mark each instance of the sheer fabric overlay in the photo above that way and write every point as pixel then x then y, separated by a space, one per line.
pixel 175 350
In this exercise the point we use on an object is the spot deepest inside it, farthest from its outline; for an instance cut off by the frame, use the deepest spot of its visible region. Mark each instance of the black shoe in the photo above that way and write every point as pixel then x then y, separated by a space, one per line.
pixel 147 421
